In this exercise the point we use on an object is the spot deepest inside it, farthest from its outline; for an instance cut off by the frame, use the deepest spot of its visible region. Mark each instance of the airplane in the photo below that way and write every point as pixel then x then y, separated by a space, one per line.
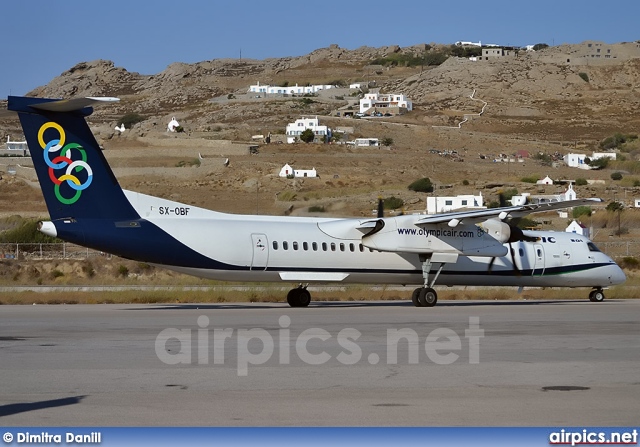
pixel 481 247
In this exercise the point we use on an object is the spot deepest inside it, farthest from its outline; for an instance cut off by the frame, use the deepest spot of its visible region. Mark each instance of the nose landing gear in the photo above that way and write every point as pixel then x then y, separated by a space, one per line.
pixel 596 295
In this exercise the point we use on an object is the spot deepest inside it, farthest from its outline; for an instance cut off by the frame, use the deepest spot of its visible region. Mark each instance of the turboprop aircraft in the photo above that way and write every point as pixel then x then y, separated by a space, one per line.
pixel 88 207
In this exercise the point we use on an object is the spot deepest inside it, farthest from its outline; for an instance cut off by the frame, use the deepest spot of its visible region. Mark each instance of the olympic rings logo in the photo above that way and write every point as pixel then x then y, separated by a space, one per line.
pixel 64 161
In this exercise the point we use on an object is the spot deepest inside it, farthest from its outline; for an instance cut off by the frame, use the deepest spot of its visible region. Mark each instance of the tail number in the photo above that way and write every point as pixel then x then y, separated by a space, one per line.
pixel 177 211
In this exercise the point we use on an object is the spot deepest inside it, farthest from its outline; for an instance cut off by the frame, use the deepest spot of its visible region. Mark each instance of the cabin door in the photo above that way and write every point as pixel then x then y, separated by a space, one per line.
pixel 538 263
pixel 260 251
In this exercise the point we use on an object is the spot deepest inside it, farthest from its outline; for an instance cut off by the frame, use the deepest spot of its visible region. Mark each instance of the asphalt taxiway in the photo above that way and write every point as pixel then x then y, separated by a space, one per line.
pixel 534 363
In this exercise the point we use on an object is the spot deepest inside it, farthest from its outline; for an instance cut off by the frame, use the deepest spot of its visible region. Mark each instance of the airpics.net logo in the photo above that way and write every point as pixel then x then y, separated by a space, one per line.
pixel 314 346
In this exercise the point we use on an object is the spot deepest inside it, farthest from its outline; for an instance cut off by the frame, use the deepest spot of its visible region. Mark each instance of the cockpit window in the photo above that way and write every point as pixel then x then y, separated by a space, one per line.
pixel 592 246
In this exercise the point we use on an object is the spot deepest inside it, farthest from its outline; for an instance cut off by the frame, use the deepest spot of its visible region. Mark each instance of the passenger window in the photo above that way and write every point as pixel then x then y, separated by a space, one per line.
pixel 295 245
pixel 341 247
pixel 324 246
pixel 333 246
pixel 285 245
pixel 314 245
pixel 521 251
pixel 305 246
pixel 275 245
pixel 361 248
pixel 352 248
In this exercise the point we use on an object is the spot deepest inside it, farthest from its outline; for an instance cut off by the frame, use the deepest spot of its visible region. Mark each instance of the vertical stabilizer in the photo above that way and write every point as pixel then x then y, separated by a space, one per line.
pixel 76 180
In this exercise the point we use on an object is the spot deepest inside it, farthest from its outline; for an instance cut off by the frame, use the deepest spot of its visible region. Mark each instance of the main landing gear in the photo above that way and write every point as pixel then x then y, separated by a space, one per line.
pixel 299 297
pixel 596 295
pixel 426 296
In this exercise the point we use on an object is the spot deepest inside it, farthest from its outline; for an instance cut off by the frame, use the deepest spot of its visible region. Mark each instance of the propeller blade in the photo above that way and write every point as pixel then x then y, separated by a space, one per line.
pixel 491 264
pixel 513 260
pixel 380 207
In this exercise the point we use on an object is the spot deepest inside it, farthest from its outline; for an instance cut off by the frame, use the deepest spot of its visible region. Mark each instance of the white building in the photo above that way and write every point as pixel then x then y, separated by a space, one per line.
pixel 294 130
pixel 578 160
pixel 173 124
pixel 379 101
pixel 358 85
pixel 569 193
pixel 578 228
pixel 288 90
pixel 597 155
pixel 366 142
pixel 288 171
pixel 16 145
pixel 522 199
pixel 545 181
pixel 437 205
pixel 462 43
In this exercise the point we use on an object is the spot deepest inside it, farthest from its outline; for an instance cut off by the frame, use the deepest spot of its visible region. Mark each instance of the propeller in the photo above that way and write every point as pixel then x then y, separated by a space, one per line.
pixel 515 235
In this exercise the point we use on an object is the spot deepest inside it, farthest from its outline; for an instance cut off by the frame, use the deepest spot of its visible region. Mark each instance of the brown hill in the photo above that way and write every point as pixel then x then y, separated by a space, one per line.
pixel 555 100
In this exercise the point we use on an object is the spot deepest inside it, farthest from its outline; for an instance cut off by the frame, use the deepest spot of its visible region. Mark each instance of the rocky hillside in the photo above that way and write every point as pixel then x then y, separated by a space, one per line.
pixel 558 93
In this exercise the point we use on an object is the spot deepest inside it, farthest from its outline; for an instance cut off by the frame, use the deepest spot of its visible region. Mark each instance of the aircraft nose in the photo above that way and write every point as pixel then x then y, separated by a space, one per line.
pixel 617 275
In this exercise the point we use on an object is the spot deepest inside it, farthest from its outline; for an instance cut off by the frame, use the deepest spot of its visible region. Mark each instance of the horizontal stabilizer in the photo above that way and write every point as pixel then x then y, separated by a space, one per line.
pixel 25 104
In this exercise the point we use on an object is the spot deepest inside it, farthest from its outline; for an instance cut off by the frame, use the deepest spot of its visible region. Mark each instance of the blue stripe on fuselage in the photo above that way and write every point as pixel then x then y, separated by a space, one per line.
pixel 143 241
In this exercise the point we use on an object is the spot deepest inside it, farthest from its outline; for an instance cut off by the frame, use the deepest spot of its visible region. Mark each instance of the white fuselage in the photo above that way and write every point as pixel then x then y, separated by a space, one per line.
pixel 307 249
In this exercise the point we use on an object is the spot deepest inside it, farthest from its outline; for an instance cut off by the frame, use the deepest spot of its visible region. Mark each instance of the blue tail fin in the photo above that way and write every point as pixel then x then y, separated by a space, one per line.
pixel 76 180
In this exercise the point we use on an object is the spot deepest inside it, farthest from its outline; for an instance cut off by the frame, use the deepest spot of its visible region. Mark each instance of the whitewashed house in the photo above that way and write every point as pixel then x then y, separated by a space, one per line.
pixel 288 171
pixel 366 142
pixel 522 199
pixel 598 155
pixel 381 102
pixel 578 228
pixel 16 147
pixel 578 160
pixel 294 130
pixel 437 205
pixel 545 181
pixel 288 90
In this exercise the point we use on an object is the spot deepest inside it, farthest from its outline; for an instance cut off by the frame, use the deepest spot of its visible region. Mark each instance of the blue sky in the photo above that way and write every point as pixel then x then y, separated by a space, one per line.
pixel 44 38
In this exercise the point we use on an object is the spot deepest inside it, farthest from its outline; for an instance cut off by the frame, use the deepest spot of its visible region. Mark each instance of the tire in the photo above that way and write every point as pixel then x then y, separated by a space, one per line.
pixel 427 297
pixel 430 297
pixel 304 298
pixel 596 296
pixel 298 297
pixel 414 297
pixel 292 298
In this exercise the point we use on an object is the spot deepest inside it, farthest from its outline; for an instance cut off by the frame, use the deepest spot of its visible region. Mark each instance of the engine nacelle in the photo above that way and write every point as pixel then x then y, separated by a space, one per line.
pixel 497 229
pixel 48 228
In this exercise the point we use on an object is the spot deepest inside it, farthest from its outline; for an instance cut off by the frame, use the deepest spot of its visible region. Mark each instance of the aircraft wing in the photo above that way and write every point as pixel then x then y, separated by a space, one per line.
pixel 477 216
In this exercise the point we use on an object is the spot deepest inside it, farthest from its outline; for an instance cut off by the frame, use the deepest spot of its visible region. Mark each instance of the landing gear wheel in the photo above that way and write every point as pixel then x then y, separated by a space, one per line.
pixel 414 297
pixel 298 297
pixel 596 296
pixel 427 297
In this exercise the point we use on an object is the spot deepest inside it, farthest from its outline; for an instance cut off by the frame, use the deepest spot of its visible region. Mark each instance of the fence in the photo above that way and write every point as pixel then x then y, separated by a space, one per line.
pixel 615 249
pixel 47 251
